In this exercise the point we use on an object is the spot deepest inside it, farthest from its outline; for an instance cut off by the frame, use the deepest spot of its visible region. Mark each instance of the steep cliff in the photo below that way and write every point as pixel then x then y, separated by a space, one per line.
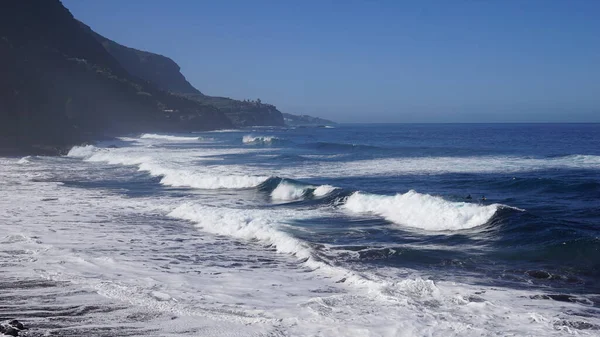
pixel 244 113
pixel 157 69
pixel 59 86
pixel 164 73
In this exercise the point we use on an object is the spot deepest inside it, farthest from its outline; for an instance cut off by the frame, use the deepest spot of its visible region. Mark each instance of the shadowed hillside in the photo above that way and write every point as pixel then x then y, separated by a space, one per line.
pixel 164 73
pixel 59 86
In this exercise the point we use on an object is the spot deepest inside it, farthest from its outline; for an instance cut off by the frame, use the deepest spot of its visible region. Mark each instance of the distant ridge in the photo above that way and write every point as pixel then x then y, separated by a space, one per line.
pixel 61 84
pixel 164 73
pixel 305 120
pixel 159 70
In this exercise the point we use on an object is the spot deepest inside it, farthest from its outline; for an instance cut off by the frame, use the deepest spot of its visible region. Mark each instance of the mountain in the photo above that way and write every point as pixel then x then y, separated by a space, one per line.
pixel 59 86
pixel 159 70
pixel 244 113
pixel 165 74
pixel 305 120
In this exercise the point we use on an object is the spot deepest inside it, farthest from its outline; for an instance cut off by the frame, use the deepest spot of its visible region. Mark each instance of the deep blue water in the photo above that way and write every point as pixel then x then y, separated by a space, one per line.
pixel 547 176
pixel 554 243
pixel 383 230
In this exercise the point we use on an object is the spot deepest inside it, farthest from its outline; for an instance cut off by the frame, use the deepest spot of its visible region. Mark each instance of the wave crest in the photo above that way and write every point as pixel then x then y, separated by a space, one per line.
pixel 422 210
pixel 288 191
pixel 169 137
pixel 171 176
pixel 250 139
pixel 82 151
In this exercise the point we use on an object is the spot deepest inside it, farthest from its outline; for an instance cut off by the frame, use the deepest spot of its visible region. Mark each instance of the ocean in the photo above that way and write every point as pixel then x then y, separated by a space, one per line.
pixel 350 230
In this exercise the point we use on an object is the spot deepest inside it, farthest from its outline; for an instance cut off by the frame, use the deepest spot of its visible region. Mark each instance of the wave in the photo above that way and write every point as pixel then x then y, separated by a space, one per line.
pixel 24 160
pixel 287 191
pixel 187 178
pixel 265 226
pixel 169 137
pixel 250 139
pixel 444 165
pixel 82 151
pixel 244 224
pixel 220 131
pixel 175 177
pixel 324 190
pixel 422 210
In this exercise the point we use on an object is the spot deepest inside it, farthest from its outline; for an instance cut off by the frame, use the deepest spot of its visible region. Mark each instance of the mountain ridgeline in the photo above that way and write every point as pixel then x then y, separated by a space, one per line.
pixel 165 74
pixel 305 120
pixel 62 84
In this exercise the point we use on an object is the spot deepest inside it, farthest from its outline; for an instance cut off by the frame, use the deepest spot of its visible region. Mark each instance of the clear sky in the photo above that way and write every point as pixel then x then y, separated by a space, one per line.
pixel 377 61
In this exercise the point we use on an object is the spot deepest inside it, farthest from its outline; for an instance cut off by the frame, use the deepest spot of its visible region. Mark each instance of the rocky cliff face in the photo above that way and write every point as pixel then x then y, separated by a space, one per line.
pixel 60 86
pixel 164 73
pixel 244 113
pixel 159 70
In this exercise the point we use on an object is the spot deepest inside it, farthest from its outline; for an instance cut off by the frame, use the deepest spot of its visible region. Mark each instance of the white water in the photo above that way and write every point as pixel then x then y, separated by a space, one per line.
pixel 240 271
pixel 421 210
pixel 235 176
pixel 250 139
pixel 286 191
pixel 323 190
pixel 169 138
pixel 441 165
pixel 434 165
pixel 170 165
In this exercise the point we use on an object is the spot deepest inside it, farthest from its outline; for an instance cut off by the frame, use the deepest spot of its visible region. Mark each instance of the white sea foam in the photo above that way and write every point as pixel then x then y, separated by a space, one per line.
pixel 169 137
pixel 244 224
pixel 221 131
pixel 24 160
pixel 439 165
pixel 415 306
pixel 323 190
pixel 82 151
pixel 181 282
pixel 166 164
pixel 186 178
pixel 287 191
pixel 250 139
pixel 422 210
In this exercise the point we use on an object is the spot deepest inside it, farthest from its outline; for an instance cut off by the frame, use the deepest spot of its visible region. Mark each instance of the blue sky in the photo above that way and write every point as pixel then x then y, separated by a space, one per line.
pixel 377 61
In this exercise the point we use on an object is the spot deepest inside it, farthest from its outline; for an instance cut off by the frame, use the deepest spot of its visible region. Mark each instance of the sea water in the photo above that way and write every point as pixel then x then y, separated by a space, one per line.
pixel 352 230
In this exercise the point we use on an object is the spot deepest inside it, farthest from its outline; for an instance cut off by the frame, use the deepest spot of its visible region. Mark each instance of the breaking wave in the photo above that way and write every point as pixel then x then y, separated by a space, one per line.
pixel 422 210
pixel 243 224
pixel 249 139
pixel 445 165
pixel 289 191
pixel 175 177
pixel 169 137
pixel 82 151
pixel 24 160
pixel 265 226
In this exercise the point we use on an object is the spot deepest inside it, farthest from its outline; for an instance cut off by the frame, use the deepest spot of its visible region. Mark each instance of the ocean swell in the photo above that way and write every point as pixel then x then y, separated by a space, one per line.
pixel 421 210
pixel 250 139
pixel 175 177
